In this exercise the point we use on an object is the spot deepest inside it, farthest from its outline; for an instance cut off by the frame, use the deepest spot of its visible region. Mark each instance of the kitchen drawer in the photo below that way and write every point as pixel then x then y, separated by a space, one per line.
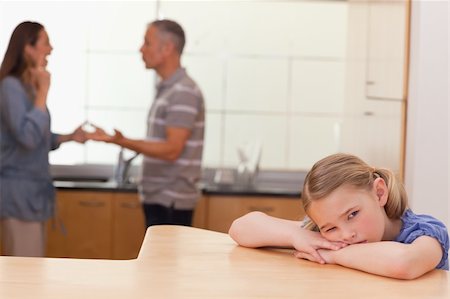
pixel 223 210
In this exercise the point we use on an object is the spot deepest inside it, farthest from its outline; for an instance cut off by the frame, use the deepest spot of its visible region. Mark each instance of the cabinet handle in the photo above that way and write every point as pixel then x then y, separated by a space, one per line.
pixel 130 205
pixel 91 204
pixel 261 209
pixel 370 82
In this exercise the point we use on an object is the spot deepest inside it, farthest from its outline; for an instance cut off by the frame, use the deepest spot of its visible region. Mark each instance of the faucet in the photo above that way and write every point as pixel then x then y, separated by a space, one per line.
pixel 248 166
pixel 123 166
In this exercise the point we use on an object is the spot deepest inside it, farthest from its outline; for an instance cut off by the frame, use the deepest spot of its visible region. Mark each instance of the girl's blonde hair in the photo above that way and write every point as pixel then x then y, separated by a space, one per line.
pixel 341 169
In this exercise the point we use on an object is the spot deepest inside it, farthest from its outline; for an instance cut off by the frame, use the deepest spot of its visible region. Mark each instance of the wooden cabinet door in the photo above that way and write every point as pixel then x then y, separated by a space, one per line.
pixel 199 217
pixel 128 226
pixel 86 218
pixel 223 210
pixel 56 228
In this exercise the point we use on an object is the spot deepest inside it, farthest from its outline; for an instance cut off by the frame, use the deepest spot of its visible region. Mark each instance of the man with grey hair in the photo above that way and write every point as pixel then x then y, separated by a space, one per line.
pixel 175 131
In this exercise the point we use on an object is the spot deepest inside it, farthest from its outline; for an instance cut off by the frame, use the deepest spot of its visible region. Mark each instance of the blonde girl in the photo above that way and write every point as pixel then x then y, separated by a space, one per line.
pixel 358 217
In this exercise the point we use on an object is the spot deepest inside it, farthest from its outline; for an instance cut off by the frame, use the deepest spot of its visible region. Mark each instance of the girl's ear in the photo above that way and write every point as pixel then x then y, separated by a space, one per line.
pixel 381 190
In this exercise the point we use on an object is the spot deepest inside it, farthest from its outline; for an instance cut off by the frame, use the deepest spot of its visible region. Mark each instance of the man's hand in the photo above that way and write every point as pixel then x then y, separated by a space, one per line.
pixel 100 135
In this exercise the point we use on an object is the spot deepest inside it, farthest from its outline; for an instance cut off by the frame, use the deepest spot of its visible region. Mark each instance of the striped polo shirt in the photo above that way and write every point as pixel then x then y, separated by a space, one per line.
pixel 178 103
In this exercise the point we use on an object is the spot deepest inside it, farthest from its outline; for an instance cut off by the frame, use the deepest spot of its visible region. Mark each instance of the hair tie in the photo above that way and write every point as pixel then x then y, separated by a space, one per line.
pixel 375 173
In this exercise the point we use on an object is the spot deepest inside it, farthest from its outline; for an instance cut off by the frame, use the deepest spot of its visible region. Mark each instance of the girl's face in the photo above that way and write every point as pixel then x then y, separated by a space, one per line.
pixel 37 54
pixel 351 215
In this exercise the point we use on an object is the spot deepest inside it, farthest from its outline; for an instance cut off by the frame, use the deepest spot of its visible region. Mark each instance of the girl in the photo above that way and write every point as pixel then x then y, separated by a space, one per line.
pixel 26 190
pixel 358 218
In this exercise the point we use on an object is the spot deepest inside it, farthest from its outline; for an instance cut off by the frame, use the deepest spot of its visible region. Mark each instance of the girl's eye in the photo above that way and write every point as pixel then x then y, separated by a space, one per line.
pixel 353 214
pixel 330 229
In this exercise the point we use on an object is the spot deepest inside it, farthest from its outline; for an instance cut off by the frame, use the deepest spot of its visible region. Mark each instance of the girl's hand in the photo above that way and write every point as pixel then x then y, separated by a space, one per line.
pixel 311 246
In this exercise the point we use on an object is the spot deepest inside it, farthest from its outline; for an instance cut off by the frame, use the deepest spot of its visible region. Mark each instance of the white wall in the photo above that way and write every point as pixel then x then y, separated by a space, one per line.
pixel 427 170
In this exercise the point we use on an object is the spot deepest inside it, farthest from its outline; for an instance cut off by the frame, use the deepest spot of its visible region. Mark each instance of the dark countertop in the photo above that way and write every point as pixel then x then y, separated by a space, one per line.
pixel 108 186
pixel 216 189
pixel 267 183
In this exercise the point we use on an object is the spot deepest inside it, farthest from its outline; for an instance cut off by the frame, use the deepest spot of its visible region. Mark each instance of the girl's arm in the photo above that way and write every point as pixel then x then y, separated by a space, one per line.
pixel 257 229
pixel 388 258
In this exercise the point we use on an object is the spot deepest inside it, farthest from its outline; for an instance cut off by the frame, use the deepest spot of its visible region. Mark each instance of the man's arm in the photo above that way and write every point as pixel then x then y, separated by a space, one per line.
pixel 388 258
pixel 169 149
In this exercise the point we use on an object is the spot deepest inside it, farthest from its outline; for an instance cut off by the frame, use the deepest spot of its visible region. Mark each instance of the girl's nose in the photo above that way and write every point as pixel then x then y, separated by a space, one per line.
pixel 349 236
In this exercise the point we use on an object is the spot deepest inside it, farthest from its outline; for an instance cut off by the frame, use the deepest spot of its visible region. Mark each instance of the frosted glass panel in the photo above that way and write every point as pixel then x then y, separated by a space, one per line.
pixel 308 91
pixel 286 72
pixel 204 22
pixel 213 146
pixel 131 123
pixel 271 131
pixel 257 84
pixel 311 139
pixel 118 25
pixel 208 72
pixel 119 80
pixel 319 28
pixel 255 29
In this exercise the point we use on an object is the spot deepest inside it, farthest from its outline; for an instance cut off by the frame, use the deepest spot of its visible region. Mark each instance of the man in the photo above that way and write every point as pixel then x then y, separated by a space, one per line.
pixel 174 144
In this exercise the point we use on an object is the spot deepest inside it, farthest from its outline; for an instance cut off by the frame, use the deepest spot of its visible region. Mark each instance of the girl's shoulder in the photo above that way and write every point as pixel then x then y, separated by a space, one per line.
pixel 412 222
pixel 416 225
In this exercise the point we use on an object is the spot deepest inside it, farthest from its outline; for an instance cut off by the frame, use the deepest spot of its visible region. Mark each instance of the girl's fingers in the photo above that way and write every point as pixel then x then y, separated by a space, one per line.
pixel 328 245
pixel 311 256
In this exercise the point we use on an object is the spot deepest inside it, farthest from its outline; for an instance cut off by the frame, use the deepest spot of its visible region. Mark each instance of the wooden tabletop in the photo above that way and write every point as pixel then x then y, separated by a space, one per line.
pixel 185 262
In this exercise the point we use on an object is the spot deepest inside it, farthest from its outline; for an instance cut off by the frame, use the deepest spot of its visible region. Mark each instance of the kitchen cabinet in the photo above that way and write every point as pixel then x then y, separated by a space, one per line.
pixel 386 49
pixel 128 225
pixel 374 105
pixel 222 210
pixel 111 225
pixel 199 217
pixel 91 224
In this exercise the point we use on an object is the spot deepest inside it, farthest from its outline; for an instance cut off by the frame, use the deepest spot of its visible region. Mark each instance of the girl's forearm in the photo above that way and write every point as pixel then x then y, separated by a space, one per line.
pixel 391 259
pixel 257 229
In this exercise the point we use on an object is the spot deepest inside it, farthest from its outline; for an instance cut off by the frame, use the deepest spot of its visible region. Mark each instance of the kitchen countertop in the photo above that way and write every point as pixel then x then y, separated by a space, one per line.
pixel 266 183
pixel 185 262
pixel 267 189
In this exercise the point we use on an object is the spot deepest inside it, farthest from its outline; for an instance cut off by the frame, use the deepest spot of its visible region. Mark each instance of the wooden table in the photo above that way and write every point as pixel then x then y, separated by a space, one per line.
pixel 184 262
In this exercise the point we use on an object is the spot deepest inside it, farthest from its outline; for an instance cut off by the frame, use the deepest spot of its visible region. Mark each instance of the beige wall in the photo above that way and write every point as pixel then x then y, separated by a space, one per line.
pixel 427 149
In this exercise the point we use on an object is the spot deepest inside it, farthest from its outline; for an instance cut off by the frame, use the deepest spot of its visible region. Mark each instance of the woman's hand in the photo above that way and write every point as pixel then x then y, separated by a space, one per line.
pixel 312 246
pixel 40 79
pixel 79 135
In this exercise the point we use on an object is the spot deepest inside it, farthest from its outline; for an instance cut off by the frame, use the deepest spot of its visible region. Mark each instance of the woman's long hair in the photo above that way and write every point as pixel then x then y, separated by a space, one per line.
pixel 14 63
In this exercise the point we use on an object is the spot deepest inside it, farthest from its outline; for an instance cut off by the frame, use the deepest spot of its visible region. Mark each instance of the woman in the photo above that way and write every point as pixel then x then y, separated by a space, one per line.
pixel 26 189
